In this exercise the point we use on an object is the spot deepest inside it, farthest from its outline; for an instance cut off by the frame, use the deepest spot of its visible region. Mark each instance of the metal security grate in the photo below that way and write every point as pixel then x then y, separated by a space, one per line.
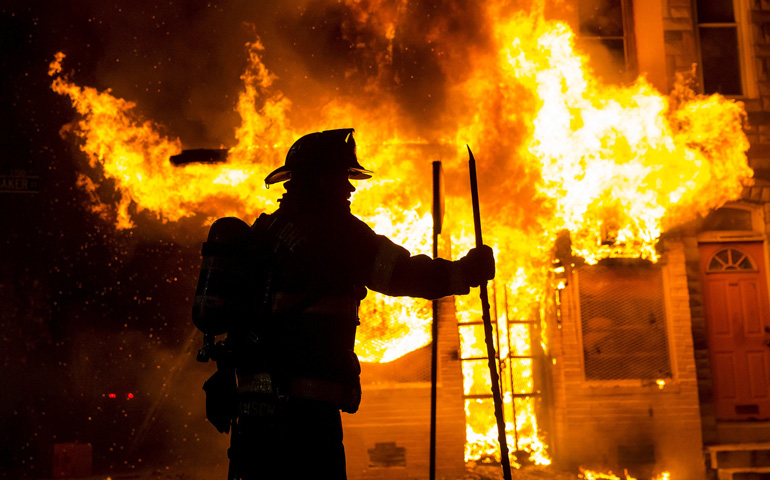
pixel 623 319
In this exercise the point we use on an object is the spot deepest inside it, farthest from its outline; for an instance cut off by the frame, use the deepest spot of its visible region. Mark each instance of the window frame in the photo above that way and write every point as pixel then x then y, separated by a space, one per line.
pixel 746 57
pixel 629 38
pixel 670 341
pixel 757 232
pixel 728 248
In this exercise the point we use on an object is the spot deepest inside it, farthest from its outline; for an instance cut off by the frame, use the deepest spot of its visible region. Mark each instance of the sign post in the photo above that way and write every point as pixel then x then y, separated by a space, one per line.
pixel 438 217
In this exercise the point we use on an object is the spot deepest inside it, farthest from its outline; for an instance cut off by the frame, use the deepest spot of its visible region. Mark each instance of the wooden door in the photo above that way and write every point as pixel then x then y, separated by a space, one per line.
pixel 738 328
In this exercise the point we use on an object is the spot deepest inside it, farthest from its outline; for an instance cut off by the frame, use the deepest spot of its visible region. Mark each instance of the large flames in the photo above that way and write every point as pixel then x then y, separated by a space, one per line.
pixel 557 150
pixel 591 475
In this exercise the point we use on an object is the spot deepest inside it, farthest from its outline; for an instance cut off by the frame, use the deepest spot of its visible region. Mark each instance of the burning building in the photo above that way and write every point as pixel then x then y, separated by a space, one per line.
pixel 617 141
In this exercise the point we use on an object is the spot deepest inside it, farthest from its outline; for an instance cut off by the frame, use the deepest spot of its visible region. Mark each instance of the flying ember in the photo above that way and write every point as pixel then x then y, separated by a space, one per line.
pixel 558 151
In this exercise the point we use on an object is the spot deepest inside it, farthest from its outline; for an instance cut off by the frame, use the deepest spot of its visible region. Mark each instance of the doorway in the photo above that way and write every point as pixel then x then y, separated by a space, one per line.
pixel 738 328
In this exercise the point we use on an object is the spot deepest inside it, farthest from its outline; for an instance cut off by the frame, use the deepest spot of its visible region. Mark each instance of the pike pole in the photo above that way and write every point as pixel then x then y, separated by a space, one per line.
pixel 491 355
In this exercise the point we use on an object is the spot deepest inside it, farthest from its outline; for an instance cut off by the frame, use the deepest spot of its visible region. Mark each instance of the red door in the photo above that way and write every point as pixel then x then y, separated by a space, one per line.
pixel 738 328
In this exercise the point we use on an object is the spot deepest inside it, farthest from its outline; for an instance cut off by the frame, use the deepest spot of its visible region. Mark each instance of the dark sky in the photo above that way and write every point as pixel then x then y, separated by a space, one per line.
pixel 89 311
pixel 86 310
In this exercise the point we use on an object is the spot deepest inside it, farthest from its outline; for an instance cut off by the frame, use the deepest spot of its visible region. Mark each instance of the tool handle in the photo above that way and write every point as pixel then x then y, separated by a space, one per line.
pixel 475 198
pixel 488 332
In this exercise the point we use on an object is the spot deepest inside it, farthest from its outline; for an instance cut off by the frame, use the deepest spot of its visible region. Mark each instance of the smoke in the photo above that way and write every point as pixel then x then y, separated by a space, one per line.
pixel 183 67
pixel 181 62
pixel 411 52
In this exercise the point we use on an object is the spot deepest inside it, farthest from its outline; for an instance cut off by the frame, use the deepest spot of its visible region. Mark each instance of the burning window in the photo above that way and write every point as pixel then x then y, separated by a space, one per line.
pixel 605 33
pixel 623 320
pixel 720 60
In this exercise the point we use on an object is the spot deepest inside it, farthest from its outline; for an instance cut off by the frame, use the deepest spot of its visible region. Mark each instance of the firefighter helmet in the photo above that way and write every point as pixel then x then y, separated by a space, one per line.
pixel 321 152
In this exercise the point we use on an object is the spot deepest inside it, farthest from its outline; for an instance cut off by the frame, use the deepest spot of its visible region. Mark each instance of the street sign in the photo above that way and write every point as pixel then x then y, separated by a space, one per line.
pixel 19 184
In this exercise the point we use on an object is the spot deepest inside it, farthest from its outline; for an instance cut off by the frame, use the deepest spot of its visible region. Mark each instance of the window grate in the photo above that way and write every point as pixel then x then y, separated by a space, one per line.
pixel 624 322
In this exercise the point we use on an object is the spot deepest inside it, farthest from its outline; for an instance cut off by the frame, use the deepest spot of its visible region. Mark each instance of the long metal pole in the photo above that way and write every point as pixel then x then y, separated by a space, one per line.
pixel 498 400
pixel 433 376
pixel 438 218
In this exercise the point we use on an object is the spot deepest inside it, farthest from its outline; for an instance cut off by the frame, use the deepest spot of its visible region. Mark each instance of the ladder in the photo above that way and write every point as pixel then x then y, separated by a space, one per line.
pixel 519 358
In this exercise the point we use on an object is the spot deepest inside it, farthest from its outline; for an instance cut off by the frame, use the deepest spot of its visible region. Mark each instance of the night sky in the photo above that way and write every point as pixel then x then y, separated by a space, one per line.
pixel 86 310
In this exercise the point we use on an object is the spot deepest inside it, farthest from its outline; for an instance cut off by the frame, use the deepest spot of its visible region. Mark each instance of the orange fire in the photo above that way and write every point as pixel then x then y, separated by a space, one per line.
pixel 593 475
pixel 557 151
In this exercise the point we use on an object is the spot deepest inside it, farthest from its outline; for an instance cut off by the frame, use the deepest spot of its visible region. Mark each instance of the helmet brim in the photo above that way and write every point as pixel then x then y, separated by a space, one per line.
pixel 359 173
pixel 283 174
pixel 278 175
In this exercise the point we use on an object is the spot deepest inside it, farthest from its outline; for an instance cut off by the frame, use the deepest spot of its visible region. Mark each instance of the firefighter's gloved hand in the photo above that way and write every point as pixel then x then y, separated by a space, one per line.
pixel 479 265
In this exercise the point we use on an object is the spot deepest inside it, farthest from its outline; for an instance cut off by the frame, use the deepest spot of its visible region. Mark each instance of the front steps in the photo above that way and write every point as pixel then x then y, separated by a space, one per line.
pixel 740 461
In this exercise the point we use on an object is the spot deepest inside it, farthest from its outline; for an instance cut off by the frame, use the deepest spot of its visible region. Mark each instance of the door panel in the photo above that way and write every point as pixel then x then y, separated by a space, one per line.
pixel 757 374
pixel 752 322
pixel 724 375
pixel 738 328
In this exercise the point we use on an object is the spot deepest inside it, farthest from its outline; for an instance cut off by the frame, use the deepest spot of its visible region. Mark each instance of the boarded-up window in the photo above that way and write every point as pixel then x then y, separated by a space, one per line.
pixel 623 318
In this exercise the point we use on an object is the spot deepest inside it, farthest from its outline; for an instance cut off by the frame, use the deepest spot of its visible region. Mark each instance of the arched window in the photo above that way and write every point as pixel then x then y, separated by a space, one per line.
pixel 731 260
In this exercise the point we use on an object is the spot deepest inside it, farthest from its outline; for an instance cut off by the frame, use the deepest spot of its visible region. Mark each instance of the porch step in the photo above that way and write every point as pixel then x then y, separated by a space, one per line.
pixel 747 473
pixel 740 456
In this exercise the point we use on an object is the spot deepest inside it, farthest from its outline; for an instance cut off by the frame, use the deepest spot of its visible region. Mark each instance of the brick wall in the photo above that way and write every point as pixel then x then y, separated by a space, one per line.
pixel 681 53
pixel 396 410
pixel 596 423
pixel 700 341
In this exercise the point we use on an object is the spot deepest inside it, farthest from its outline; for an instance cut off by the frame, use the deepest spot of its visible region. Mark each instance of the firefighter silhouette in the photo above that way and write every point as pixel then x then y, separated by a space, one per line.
pixel 286 292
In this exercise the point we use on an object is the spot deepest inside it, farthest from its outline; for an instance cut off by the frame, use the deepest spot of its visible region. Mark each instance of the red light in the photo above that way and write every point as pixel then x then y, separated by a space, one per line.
pixel 130 395
pixel 112 395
